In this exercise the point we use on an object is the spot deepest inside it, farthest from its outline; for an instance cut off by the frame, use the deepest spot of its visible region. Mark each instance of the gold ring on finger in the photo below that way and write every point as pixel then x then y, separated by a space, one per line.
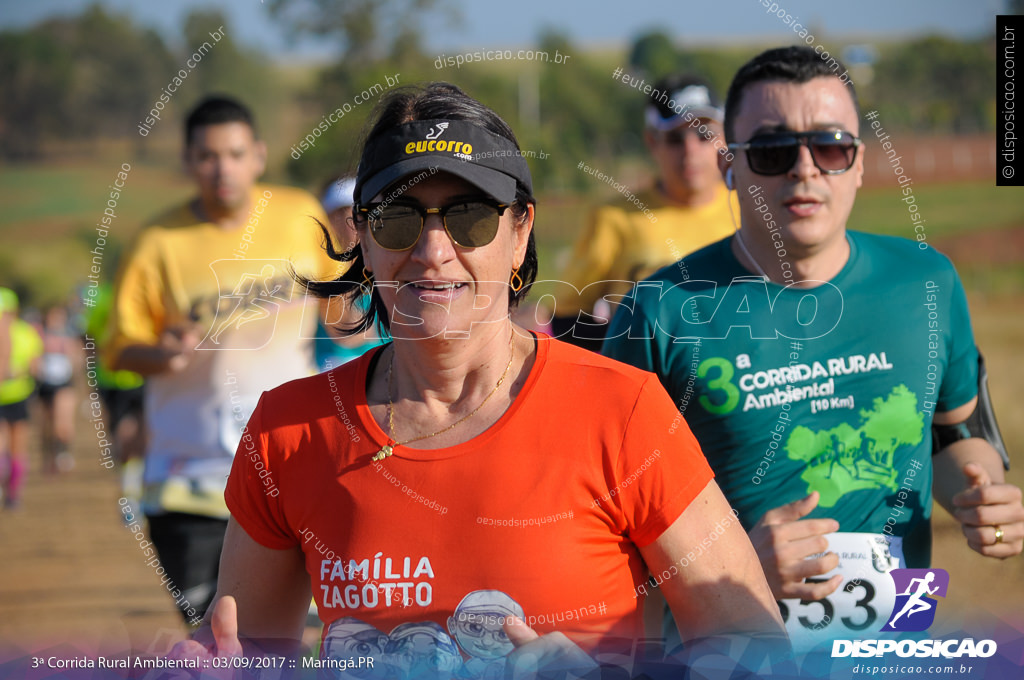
pixel 999 534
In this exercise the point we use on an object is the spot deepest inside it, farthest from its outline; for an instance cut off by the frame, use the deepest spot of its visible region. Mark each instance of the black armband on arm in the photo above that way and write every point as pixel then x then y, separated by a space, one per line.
pixel 981 423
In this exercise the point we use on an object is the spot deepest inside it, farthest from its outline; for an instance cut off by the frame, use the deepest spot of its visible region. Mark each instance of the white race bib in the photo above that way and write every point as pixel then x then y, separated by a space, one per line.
pixel 233 418
pixel 862 603
pixel 55 369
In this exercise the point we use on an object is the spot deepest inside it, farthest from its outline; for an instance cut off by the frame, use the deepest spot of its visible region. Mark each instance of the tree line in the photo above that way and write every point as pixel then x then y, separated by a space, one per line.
pixel 94 77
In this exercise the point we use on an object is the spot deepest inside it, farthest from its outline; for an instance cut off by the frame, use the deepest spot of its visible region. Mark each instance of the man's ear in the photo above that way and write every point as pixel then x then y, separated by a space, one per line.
pixel 186 160
pixel 260 151
pixel 858 165
pixel 725 166
pixel 650 140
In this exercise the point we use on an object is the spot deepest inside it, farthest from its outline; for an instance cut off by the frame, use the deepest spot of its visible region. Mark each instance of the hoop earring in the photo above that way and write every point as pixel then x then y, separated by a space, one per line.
pixel 367 279
pixel 515 277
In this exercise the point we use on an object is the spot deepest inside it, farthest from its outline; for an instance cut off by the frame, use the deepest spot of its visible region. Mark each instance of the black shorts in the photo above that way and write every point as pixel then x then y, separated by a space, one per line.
pixel 14 413
pixel 121 403
pixel 48 391
pixel 189 549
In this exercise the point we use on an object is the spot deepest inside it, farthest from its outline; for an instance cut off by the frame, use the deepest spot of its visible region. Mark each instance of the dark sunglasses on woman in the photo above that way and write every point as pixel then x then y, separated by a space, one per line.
pixel 470 224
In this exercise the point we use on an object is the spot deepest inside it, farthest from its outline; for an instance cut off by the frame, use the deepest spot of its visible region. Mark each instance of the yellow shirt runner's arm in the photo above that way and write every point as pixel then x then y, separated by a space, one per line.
pixel 592 260
pixel 139 313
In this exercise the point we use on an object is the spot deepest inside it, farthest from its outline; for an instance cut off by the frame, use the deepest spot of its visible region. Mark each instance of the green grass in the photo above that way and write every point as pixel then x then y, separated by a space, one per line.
pixel 946 208
pixel 952 210
pixel 49 218
pixel 50 211
pixel 79 193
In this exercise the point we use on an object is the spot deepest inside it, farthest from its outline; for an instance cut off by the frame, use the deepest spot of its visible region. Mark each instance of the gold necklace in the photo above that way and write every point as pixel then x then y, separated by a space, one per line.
pixel 389 448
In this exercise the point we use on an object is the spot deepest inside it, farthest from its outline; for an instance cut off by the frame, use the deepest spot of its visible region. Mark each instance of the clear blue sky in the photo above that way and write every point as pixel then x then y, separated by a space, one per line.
pixel 516 22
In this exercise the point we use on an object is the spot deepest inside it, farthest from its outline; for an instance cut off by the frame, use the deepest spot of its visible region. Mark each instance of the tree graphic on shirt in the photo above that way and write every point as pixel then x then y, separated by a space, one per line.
pixel 843 459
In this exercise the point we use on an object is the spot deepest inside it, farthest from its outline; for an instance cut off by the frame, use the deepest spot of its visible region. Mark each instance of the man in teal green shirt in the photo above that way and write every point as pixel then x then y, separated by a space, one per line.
pixel 812 362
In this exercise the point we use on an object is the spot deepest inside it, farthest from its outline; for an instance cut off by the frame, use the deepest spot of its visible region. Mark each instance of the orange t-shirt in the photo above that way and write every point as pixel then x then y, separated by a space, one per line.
pixel 540 516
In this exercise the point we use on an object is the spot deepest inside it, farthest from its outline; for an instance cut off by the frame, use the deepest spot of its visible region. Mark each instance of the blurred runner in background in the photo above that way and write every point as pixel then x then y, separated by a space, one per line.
pixel 122 393
pixel 61 355
pixel 20 349
pixel 206 309
pixel 687 209
pixel 334 349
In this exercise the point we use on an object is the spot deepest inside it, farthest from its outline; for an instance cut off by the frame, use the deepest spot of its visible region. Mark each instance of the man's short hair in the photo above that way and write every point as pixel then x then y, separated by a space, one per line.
pixel 216 110
pixel 796 64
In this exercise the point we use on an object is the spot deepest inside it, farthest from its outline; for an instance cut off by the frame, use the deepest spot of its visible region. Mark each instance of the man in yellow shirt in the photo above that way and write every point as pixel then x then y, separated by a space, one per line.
pixel 687 209
pixel 206 309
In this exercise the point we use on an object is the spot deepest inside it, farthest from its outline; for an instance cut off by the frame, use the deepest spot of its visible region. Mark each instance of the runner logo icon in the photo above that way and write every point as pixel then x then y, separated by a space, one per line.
pixel 914 610
pixel 243 315
pixel 436 131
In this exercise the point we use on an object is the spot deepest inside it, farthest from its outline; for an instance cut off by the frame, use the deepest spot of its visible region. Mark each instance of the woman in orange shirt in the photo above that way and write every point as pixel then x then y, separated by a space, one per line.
pixel 471 495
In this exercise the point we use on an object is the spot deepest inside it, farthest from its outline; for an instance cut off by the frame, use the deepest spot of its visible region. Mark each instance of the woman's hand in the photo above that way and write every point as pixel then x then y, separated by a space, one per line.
pixel 542 654
pixel 990 514
pixel 224 627
pixel 784 542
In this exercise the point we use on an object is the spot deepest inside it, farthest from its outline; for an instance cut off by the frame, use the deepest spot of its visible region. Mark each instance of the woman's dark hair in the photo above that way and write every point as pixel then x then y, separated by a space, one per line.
pixel 405 105
pixel 795 64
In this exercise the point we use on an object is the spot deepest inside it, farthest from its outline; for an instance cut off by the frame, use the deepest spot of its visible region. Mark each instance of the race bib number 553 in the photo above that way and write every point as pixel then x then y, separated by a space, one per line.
pixel 863 600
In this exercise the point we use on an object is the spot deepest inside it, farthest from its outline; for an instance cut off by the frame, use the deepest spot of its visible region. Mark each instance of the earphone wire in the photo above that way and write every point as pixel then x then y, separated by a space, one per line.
pixel 739 236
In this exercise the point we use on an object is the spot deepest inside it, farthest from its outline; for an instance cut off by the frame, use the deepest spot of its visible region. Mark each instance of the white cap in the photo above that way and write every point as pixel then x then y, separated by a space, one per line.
pixel 339 194
pixel 695 99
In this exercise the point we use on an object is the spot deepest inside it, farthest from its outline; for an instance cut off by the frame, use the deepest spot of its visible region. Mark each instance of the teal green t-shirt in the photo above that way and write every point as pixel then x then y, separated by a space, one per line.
pixel 830 389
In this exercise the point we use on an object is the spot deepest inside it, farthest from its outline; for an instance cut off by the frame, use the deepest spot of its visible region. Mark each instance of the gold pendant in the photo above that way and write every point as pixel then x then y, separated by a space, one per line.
pixel 383 453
